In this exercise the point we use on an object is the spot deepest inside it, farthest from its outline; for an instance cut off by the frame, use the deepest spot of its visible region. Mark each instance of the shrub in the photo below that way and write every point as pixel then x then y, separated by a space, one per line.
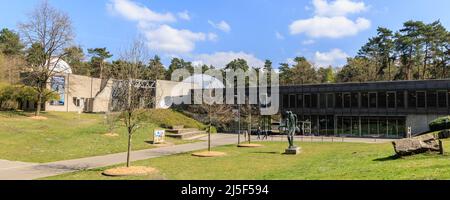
pixel 11 95
pixel 439 124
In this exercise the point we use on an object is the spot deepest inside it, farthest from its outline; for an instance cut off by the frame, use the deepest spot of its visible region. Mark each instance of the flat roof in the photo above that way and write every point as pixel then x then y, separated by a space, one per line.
pixel 370 82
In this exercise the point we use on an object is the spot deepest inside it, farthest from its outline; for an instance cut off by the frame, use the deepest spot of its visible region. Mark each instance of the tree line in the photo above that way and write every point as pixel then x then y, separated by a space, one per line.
pixel 417 51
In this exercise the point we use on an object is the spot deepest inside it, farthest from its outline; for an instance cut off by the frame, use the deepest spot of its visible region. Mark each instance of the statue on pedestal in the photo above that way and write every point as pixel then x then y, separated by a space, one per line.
pixel 289 126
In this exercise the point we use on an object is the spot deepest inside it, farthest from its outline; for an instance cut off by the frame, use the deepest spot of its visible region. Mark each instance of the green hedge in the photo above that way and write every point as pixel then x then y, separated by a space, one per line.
pixel 439 124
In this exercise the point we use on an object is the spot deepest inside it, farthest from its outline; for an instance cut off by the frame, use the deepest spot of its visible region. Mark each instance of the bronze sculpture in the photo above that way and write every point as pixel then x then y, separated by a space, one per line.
pixel 289 126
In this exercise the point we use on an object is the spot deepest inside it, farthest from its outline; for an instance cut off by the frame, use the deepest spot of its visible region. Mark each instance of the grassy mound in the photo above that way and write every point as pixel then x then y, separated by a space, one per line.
pixel 64 136
pixel 168 118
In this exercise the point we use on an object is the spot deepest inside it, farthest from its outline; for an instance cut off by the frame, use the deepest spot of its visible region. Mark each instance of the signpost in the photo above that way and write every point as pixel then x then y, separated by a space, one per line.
pixel 159 136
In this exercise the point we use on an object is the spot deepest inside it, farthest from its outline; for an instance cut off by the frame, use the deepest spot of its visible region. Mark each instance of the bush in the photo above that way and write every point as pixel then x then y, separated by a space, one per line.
pixel 439 124
pixel 12 95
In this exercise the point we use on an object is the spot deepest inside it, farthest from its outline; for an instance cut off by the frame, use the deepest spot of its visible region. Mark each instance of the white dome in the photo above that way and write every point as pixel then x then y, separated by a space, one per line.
pixel 61 66
pixel 205 81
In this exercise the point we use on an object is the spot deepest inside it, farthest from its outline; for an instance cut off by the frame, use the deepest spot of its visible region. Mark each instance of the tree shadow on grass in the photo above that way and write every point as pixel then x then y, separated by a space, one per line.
pixel 389 158
pixel 266 152
pixel 420 156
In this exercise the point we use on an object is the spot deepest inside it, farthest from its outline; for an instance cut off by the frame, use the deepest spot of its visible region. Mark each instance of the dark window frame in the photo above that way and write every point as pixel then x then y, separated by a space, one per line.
pixel 355 102
pixel 330 102
pixel 424 98
pixel 364 98
pixel 388 103
pixel 432 102
pixel 347 103
pixel 376 99
pixel 446 98
pixel 292 102
pixel 338 102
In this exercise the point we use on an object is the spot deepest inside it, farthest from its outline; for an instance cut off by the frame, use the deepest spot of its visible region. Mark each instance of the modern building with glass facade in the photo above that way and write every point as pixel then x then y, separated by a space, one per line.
pixel 372 109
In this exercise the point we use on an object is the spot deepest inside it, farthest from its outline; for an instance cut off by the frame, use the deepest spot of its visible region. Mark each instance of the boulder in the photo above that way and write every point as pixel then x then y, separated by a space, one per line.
pixel 444 134
pixel 417 145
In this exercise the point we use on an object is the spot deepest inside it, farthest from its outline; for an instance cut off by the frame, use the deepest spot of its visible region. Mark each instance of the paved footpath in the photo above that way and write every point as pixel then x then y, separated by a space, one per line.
pixel 10 170
pixel 27 171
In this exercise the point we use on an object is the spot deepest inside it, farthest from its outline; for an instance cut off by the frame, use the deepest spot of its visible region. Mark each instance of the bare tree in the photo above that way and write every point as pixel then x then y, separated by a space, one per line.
pixel 132 95
pixel 47 32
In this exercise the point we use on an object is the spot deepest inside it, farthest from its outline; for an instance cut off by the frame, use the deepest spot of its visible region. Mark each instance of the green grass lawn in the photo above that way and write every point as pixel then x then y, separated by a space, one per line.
pixel 318 161
pixel 69 135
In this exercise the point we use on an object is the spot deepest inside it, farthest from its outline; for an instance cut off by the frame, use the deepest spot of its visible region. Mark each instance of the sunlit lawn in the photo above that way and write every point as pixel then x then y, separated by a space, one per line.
pixel 318 161
pixel 67 136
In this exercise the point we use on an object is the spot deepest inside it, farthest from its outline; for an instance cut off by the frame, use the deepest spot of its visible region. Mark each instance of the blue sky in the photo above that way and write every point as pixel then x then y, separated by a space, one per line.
pixel 216 31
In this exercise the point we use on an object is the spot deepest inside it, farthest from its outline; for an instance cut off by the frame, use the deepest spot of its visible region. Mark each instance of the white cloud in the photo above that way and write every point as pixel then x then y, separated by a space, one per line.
pixel 212 36
pixel 290 61
pixel 168 39
pixel 279 36
pixel 335 57
pixel 331 21
pixel 160 36
pixel 331 27
pixel 136 12
pixel 338 7
pixel 184 15
pixel 308 42
pixel 221 59
pixel 223 26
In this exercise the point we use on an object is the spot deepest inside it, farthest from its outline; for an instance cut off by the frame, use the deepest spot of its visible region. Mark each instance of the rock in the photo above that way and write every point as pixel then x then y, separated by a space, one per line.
pixel 416 145
pixel 444 134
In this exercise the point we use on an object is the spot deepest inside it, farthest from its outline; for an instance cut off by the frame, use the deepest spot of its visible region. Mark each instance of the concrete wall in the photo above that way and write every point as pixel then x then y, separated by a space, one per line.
pixel 419 123
pixel 82 87
pixel 165 90
pixel 77 86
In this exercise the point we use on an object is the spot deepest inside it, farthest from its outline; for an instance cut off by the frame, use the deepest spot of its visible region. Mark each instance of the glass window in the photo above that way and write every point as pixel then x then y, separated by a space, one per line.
pixel 314 100
pixel 323 125
pixel 373 126
pixel 314 125
pixel 421 100
pixel 307 99
pixel 401 127
pixel 330 101
pixel 431 99
pixel 347 126
pixel 412 99
pixel 381 99
pixel 299 100
pixel 400 99
pixel 347 100
pixel 364 126
pixel 323 100
pixel 338 100
pixel 355 100
pixel 373 100
pixel 392 128
pixel 383 126
pixel 364 100
pixel 339 125
pixel 355 126
pixel 292 101
pixel 442 99
pixel 391 99
pixel 330 125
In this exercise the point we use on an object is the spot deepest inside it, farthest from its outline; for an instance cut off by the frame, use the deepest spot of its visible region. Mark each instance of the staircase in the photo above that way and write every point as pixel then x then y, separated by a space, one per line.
pixel 182 133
